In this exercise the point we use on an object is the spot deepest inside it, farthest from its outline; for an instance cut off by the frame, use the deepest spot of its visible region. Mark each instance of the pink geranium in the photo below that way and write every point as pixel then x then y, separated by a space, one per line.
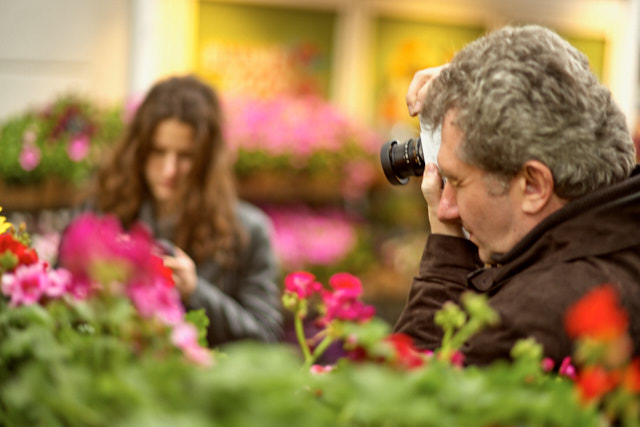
pixel 156 299
pixel 567 369
pixel 59 283
pixel 305 237
pixel 28 284
pixel 185 337
pixel 301 283
pixel 78 148
pixel 97 250
pixel 346 285
pixel 342 303
pixel 29 157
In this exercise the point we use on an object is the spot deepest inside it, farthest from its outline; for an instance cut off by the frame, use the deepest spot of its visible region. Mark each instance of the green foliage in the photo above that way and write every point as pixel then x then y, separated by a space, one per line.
pixel 201 322
pixel 82 365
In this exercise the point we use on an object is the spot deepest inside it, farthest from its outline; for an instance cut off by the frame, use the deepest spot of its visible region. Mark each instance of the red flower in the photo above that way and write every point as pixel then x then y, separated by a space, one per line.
pixel 163 272
pixel 594 382
pixel 597 315
pixel 631 377
pixel 346 285
pixel 23 254
pixel 406 355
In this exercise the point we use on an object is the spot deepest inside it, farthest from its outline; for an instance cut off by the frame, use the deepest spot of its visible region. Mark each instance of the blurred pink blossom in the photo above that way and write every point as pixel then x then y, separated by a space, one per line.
pixel 78 148
pixel 26 285
pixel 29 283
pixel 547 364
pixel 46 245
pixel 29 157
pixel 293 125
pixel 185 337
pixel 96 250
pixel 567 369
pixel 321 369
pixel 155 299
pixel 303 237
pixel 59 282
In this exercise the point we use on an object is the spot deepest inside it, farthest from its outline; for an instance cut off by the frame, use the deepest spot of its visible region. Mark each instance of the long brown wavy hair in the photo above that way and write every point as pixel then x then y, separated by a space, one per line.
pixel 207 224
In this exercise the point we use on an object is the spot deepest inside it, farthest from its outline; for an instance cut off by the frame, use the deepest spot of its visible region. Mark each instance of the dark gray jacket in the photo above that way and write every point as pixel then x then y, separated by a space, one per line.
pixel 242 302
pixel 590 241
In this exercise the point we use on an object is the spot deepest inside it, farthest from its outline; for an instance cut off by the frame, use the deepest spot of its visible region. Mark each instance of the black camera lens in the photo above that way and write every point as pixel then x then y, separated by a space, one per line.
pixel 400 161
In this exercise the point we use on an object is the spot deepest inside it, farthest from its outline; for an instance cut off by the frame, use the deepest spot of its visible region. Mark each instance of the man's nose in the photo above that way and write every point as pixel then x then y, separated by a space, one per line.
pixel 448 207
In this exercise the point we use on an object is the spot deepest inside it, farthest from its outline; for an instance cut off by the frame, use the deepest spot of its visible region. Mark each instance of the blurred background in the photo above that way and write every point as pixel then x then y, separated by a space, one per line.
pixel 311 90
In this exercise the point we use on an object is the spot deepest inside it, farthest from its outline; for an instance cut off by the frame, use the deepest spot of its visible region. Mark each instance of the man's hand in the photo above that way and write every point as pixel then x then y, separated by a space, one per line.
pixel 184 272
pixel 432 190
pixel 418 88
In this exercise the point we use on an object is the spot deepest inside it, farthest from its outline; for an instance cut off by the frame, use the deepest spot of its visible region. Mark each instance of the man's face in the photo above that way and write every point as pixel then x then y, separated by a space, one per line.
pixel 169 162
pixel 473 198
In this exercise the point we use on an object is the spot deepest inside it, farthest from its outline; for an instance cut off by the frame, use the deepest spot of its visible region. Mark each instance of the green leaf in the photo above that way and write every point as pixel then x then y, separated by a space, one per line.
pixel 200 320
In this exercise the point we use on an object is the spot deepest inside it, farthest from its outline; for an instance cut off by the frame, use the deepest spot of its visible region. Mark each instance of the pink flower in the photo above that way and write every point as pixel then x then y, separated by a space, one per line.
pixel 302 284
pixel 29 157
pixel 344 308
pixel 346 285
pixel 46 246
pixel 547 364
pixel 59 283
pixel 185 337
pixel 158 300
pixel 567 369
pixel 26 285
pixel 96 249
pixel 305 237
pixel 82 287
pixel 457 359
pixel 320 369
pixel 78 148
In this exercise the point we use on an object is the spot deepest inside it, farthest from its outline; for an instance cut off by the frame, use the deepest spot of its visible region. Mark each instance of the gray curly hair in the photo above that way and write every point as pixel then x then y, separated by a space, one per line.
pixel 524 93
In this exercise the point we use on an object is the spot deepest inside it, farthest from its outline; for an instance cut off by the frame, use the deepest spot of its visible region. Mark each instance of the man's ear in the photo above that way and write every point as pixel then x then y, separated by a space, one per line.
pixel 538 186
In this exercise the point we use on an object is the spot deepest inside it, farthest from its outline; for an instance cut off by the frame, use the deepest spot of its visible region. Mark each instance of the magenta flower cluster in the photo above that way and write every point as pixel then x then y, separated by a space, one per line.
pixel 341 302
pixel 98 257
pixel 296 126
pixel 304 237
pixel 30 284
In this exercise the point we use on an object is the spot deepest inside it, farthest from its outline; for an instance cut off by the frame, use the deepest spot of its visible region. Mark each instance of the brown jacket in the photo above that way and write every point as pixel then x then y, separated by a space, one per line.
pixel 590 241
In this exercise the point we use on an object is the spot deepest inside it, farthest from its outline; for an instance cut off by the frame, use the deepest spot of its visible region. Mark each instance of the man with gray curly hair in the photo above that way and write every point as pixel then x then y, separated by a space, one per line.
pixel 540 202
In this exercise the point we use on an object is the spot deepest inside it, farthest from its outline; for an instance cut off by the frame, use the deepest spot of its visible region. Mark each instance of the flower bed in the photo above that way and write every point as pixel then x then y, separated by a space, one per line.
pixel 102 340
pixel 62 141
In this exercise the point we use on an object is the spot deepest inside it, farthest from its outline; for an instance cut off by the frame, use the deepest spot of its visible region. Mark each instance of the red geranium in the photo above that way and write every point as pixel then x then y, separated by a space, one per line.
pixel 597 315
pixel 631 378
pixel 10 246
pixel 406 355
pixel 593 382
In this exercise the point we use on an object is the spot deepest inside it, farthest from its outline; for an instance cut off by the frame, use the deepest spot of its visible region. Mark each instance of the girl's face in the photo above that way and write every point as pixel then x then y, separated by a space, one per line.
pixel 169 163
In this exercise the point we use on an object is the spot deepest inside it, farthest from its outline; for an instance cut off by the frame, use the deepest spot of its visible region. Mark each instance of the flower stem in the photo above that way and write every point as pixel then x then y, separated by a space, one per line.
pixel 302 339
pixel 317 352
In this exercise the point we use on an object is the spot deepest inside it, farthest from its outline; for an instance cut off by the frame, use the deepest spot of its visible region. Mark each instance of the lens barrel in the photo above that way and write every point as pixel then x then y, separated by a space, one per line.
pixel 400 161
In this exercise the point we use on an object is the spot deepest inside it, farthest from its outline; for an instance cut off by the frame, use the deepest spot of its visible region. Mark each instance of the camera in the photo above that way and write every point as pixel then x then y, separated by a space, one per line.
pixel 402 160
